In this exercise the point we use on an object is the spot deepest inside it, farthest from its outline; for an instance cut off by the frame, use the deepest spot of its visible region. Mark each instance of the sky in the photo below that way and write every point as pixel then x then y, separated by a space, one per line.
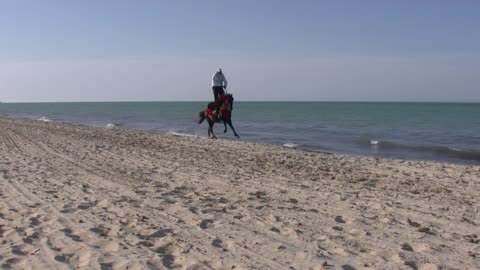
pixel 270 50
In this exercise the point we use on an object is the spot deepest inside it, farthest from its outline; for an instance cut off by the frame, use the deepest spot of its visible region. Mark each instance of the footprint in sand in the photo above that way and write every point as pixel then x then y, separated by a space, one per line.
pixel 357 232
pixel 258 195
pixel 339 219
pixel 106 266
pixel 15 263
pixel 87 189
pixel 206 223
pixel 414 260
pixel 407 247
pixel 342 219
pixel 337 228
pixel 217 243
pixel 274 229
pixel 413 223
pixel 62 257
pixel 85 206
pixel 169 253
pixel 32 238
pixel 169 262
pixel 80 259
pixel 161 233
pixel 151 239
pixel 22 249
pixel 100 230
pixel 72 235
pixel 69 209
pixel 107 245
pixel 35 205
pixel 34 222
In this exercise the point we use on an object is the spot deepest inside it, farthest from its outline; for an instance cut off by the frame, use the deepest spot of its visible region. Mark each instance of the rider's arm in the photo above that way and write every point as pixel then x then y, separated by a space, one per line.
pixel 225 83
pixel 213 79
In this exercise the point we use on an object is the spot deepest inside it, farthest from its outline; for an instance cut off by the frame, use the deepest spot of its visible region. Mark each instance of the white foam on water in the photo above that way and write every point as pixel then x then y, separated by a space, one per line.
pixel 44 119
pixel 374 142
pixel 179 134
pixel 290 145
pixel 111 125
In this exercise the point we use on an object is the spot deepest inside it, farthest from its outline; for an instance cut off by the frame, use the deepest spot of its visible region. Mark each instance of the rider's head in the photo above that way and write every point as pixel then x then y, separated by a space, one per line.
pixel 219 70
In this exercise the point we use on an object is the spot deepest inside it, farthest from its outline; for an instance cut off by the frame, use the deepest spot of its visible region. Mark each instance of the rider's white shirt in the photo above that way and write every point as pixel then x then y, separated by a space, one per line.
pixel 219 79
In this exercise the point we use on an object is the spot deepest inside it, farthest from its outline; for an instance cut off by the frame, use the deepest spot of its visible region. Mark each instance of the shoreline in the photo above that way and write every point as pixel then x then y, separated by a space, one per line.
pixel 456 160
pixel 80 196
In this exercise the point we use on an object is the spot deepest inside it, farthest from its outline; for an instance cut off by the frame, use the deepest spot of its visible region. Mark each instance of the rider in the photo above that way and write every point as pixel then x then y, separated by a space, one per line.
pixel 219 84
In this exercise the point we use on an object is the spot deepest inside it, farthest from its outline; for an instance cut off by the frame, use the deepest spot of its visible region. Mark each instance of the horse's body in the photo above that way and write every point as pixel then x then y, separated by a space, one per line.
pixel 219 111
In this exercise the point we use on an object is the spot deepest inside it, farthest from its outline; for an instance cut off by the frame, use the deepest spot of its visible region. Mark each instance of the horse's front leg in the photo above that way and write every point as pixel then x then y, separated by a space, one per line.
pixel 229 122
pixel 210 124
pixel 210 130
pixel 225 124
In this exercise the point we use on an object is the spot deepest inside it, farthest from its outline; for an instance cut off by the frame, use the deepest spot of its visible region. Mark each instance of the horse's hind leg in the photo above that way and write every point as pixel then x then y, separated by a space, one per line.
pixel 225 124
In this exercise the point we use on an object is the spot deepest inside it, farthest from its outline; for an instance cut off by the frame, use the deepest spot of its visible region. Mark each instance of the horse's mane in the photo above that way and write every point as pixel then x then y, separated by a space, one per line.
pixel 229 98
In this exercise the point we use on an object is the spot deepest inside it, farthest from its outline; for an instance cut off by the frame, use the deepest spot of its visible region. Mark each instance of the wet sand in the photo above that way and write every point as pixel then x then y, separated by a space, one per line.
pixel 73 196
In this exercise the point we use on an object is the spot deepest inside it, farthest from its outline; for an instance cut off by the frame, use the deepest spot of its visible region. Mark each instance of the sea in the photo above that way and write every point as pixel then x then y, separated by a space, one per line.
pixel 447 132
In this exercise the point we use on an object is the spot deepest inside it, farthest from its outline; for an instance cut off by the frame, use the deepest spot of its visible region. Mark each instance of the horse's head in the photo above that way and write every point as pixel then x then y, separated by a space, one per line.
pixel 229 99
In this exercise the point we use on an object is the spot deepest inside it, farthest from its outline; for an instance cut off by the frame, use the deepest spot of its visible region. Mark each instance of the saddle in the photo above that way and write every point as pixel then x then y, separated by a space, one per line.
pixel 219 109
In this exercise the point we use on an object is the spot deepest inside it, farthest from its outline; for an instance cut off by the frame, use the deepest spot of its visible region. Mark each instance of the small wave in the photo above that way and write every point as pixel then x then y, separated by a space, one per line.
pixel 44 119
pixel 112 125
pixel 374 142
pixel 179 134
pixel 445 151
pixel 290 145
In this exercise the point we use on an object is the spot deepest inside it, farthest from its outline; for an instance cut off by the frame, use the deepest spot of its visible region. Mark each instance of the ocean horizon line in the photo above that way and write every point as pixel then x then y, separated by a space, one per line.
pixel 250 101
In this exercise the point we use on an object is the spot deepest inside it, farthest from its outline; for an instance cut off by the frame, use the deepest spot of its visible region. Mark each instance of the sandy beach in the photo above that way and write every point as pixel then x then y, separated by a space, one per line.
pixel 78 197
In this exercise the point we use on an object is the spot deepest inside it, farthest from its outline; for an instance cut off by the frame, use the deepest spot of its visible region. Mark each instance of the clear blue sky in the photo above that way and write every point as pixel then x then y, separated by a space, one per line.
pixel 269 50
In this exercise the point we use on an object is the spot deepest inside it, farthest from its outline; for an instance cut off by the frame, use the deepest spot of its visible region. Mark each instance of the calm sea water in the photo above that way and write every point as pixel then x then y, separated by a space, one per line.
pixel 428 131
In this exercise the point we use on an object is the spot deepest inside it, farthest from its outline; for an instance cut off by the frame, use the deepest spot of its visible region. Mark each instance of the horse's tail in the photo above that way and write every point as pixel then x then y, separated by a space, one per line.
pixel 201 117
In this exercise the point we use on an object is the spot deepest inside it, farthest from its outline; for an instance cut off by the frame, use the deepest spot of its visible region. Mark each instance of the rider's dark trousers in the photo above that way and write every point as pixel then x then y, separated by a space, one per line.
pixel 217 91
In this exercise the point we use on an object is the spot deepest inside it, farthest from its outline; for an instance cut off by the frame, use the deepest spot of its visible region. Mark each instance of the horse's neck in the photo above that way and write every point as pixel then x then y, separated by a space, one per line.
pixel 226 106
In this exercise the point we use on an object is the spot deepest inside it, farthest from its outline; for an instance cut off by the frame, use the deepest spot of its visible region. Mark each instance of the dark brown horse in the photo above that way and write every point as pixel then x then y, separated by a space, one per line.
pixel 219 111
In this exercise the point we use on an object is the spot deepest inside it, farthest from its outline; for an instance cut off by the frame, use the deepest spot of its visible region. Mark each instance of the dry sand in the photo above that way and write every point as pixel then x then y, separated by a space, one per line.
pixel 73 196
